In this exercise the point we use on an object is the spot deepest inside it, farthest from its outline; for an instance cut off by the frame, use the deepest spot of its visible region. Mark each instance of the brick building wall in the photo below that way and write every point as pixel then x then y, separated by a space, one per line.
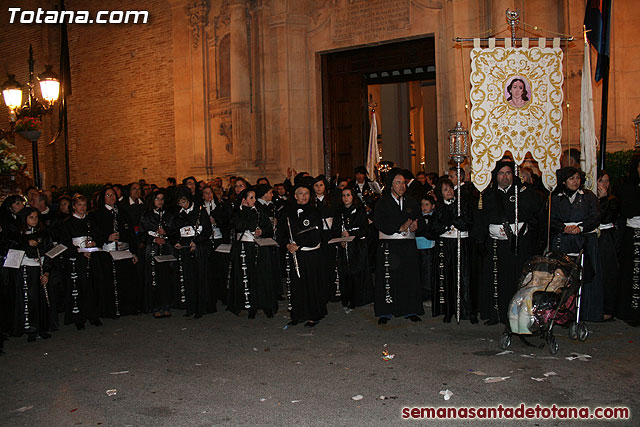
pixel 121 125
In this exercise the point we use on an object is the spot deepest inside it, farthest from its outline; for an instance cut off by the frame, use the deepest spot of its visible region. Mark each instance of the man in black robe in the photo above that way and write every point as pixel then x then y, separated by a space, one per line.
pixel 505 254
pixel 300 231
pixel 397 290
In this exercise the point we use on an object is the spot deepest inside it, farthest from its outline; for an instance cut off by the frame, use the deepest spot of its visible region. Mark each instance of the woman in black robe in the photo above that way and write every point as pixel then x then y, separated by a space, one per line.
pixel 608 243
pixel 157 225
pixel 193 248
pixel 629 291
pixel 300 231
pixel 33 300
pixel 81 298
pixel 264 197
pixel 398 291
pixel 251 286
pixel 445 225
pixel 322 201
pixel 9 239
pixel 354 283
pixel 575 216
pixel 218 262
pixel 117 280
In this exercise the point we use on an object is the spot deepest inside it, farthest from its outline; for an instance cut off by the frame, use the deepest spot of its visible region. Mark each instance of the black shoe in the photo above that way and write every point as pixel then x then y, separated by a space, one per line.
pixel 45 335
pixel 447 319
pixel 634 323
pixel 197 316
pixel 293 323
pixel 269 314
pixel 31 337
pixel 414 318
pixel 383 320
pixel 491 322
pixel 473 319
pixel 310 324
pixel 79 326
pixel 252 314
pixel 96 322
pixel 188 314
pixel 281 298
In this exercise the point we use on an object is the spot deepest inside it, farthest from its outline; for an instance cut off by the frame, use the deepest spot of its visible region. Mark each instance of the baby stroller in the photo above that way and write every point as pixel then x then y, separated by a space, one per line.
pixel 548 294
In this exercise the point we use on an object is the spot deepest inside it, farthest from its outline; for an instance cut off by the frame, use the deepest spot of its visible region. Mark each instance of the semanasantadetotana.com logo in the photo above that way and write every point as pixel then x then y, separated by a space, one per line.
pixel 41 16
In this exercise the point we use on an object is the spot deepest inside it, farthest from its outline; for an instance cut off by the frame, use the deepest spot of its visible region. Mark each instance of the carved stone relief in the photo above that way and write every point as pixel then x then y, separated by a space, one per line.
pixel 197 11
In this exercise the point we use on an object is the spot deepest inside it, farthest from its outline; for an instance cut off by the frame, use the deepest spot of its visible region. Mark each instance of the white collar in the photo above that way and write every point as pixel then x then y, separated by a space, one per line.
pixel 78 216
pixel 156 211
pixel 448 202
pixel 188 211
pixel 134 202
pixel 505 190
pixel 264 202
pixel 109 208
pixel 321 198
pixel 44 212
pixel 398 200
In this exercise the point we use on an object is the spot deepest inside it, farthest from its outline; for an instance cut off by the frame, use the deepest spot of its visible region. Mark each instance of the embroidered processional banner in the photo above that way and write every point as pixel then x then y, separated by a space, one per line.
pixel 516 106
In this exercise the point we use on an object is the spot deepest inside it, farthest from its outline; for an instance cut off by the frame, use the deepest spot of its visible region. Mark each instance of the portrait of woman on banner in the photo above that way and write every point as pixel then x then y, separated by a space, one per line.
pixel 517 92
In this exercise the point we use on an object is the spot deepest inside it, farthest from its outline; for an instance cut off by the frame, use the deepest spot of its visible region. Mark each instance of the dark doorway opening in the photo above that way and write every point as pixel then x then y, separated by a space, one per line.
pixel 402 75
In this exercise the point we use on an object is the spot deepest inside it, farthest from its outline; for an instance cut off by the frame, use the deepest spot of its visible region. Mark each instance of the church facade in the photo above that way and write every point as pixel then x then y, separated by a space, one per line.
pixel 248 87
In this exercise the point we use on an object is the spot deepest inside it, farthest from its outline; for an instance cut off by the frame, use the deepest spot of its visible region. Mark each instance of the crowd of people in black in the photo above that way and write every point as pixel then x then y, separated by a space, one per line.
pixel 308 241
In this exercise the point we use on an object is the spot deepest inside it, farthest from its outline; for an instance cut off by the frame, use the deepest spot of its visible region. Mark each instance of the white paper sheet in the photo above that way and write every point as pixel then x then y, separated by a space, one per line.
pixel 266 242
pixel 164 258
pixel 14 258
pixel 341 239
pixel 120 255
pixel 56 250
pixel 224 248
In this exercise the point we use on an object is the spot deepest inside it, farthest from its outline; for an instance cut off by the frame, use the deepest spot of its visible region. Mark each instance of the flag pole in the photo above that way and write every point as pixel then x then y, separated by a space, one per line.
pixel 606 11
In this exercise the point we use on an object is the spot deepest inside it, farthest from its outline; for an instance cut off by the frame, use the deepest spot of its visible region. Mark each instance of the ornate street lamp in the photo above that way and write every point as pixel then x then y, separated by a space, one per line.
pixel 12 94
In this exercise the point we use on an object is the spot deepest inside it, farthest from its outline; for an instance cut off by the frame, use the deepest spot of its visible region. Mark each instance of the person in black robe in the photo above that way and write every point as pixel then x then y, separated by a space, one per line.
pixel 81 297
pixel 496 229
pixel 629 290
pixel 193 247
pixel 117 280
pixel 398 291
pixel 575 216
pixel 444 228
pixel 267 207
pixel 10 239
pixel 322 201
pixel 133 206
pixel 32 309
pixel 300 231
pixel 252 287
pixel 426 248
pixel 157 229
pixel 354 285
pixel 218 262
pixel 608 243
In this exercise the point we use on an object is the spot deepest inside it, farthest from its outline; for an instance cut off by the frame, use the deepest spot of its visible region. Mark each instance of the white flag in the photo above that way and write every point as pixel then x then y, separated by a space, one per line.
pixel 588 157
pixel 373 155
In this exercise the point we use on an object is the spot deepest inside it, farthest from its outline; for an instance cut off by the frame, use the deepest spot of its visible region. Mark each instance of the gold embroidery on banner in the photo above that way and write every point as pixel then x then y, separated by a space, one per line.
pixel 497 126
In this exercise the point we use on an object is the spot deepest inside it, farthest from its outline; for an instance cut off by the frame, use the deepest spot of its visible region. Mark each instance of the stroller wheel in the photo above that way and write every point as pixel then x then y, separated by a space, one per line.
pixel 553 345
pixel 505 341
pixel 583 332
pixel 573 331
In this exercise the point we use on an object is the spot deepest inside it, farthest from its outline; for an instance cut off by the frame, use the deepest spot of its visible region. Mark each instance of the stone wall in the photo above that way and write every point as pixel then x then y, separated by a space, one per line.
pixel 213 88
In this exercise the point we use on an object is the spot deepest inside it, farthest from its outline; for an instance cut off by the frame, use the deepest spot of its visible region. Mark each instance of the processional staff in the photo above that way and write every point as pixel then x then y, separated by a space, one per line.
pixel 458 152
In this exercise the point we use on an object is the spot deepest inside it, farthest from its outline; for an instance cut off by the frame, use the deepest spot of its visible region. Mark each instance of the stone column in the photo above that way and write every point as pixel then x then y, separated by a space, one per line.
pixel 240 82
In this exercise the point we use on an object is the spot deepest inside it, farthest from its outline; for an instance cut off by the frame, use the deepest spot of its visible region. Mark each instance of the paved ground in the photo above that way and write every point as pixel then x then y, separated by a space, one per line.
pixel 223 370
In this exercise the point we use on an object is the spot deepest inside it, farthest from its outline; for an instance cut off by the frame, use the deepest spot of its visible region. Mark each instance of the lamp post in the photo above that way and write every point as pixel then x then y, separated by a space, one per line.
pixel 12 93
